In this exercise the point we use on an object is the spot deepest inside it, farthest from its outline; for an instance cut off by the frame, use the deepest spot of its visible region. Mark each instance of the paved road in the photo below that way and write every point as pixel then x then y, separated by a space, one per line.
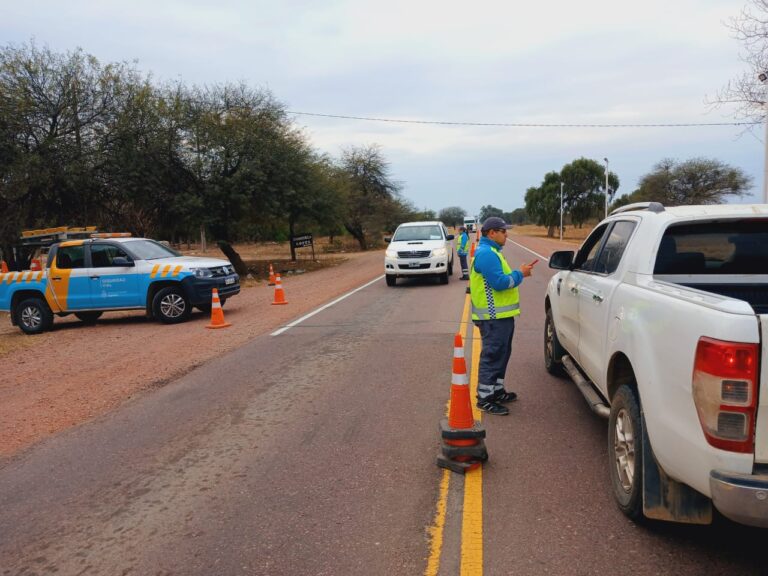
pixel 312 452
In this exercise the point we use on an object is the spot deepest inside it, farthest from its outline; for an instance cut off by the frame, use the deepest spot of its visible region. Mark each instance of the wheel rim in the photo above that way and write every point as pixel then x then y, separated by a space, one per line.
pixel 548 341
pixel 172 306
pixel 31 317
pixel 624 449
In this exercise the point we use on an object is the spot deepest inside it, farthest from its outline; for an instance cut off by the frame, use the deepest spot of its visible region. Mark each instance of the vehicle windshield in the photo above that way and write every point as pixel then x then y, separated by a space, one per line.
pixel 149 250
pixel 415 233
pixel 726 247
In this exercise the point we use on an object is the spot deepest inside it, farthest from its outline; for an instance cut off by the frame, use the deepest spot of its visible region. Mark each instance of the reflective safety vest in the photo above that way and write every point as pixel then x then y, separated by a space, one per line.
pixel 463 242
pixel 490 304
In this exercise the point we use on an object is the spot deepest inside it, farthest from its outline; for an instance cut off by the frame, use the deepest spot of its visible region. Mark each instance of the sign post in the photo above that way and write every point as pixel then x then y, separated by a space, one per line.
pixel 302 241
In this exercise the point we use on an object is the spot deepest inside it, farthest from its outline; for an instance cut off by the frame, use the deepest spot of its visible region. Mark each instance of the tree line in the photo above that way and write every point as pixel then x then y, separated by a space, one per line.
pixel 85 143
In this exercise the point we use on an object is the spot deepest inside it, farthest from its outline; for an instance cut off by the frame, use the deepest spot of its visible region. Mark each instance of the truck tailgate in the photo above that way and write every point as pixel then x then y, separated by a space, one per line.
pixel 761 427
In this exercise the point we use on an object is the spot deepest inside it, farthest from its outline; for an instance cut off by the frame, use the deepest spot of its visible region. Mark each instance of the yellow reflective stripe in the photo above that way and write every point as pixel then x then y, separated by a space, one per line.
pixel 166 269
pixel 176 271
pixel 39 276
pixel 155 268
pixel 9 277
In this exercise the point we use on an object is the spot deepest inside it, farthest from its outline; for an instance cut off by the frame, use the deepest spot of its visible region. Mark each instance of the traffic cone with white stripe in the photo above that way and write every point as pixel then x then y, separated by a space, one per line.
pixel 279 294
pixel 3 266
pixel 463 447
pixel 217 313
pixel 271 276
pixel 35 265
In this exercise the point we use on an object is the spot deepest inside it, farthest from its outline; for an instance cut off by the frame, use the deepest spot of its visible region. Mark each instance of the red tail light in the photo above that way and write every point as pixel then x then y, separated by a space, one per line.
pixel 725 393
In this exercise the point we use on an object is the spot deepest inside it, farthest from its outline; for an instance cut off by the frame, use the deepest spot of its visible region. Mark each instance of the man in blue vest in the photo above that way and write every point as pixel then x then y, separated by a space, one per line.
pixel 495 303
pixel 463 250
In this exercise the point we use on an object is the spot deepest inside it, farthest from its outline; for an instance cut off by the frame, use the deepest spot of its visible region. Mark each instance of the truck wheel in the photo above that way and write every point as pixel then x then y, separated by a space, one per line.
pixel 444 278
pixel 33 316
pixel 553 352
pixel 391 279
pixel 88 317
pixel 450 267
pixel 625 452
pixel 171 306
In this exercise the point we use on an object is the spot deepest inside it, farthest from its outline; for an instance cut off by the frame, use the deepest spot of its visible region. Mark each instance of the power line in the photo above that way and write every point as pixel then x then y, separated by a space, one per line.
pixel 522 124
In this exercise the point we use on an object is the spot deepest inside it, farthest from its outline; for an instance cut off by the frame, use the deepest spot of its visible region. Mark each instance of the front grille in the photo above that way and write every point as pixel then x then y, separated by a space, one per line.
pixel 414 254
pixel 419 267
pixel 222 271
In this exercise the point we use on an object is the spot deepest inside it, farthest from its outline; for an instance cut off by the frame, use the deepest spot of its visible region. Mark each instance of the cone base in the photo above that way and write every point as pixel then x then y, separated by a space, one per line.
pixel 458 467
pixel 279 303
pixel 225 325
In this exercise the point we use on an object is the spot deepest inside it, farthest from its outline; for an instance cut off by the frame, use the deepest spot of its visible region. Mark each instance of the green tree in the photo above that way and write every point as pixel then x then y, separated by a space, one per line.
pixel 542 203
pixel 584 189
pixel 372 195
pixel 694 181
pixel 518 216
pixel 452 216
pixel 488 211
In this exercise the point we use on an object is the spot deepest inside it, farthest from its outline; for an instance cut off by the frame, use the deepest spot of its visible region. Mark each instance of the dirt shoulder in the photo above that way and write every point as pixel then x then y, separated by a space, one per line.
pixel 75 373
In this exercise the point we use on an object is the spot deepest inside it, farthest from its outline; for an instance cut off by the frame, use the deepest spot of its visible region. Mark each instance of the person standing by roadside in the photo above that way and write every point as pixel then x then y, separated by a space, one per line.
pixel 463 251
pixel 495 303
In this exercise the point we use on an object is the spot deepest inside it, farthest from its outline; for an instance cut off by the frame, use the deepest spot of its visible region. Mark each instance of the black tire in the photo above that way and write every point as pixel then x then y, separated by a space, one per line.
pixel 553 351
pixel 444 277
pixel 625 452
pixel 391 279
pixel 88 317
pixel 171 305
pixel 33 316
pixel 450 267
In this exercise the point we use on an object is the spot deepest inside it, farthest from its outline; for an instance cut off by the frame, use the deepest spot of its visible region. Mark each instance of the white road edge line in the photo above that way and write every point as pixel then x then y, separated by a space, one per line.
pixel 339 299
pixel 529 250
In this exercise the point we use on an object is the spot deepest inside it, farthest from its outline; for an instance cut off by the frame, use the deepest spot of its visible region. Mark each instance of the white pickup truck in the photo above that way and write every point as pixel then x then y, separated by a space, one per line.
pixel 661 319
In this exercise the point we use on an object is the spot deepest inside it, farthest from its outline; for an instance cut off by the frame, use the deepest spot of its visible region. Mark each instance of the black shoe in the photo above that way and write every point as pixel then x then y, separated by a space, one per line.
pixel 493 408
pixel 505 397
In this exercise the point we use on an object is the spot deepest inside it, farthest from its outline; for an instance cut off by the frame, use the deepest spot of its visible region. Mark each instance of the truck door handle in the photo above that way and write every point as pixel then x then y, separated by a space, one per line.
pixel 597 298
pixel 95 277
pixel 574 290
pixel 57 278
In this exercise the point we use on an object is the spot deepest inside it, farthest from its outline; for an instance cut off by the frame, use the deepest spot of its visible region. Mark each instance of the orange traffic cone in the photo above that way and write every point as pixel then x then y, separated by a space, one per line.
pixel 217 314
pixel 472 251
pixel 463 447
pixel 3 266
pixel 35 265
pixel 279 294
pixel 271 276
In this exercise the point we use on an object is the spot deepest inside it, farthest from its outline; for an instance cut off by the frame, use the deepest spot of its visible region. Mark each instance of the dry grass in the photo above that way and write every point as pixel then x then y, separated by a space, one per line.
pixel 570 234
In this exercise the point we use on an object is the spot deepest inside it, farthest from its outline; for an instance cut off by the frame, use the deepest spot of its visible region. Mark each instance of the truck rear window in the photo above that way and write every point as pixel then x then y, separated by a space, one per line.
pixel 724 247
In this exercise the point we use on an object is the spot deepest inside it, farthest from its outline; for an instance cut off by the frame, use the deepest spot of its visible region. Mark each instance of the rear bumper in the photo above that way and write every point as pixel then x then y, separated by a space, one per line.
pixel 741 497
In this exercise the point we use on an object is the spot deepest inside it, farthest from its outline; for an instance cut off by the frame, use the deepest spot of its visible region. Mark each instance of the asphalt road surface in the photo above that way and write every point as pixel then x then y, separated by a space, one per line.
pixel 313 452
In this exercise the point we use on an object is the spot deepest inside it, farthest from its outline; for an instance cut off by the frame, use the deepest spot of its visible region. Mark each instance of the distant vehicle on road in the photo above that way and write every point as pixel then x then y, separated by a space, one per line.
pixel 114 272
pixel 661 319
pixel 418 249
pixel 470 224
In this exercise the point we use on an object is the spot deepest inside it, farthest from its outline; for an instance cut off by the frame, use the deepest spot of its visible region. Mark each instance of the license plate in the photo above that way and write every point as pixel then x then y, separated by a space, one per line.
pixel 228 281
pixel 414 264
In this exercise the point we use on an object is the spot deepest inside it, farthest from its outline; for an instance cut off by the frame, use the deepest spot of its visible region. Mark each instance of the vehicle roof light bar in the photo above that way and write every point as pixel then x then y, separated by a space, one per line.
pixel 655 207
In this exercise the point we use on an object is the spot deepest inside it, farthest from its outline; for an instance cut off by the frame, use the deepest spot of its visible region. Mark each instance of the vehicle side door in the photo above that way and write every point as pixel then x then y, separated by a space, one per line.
pixel 568 287
pixel 596 288
pixel 69 278
pixel 113 279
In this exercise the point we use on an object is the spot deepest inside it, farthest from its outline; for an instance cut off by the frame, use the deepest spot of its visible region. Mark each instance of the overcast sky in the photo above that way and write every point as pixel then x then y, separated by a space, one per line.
pixel 559 62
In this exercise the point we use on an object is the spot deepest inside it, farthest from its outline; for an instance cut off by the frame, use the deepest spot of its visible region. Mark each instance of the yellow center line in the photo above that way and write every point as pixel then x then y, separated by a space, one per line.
pixel 472 517
pixel 436 530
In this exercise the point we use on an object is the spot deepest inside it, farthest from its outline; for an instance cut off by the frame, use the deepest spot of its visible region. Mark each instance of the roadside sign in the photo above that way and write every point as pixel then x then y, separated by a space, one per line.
pixel 302 241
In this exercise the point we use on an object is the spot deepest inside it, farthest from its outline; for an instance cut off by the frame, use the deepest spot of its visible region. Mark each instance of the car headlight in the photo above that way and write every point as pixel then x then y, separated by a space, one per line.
pixel 439 252
pixel 391 253
pixel 202 272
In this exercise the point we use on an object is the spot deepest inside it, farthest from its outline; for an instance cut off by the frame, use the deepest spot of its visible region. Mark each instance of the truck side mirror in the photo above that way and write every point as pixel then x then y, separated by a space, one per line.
pixel 122 261
pixel 387 239
pixel 450 237
pixel 561 260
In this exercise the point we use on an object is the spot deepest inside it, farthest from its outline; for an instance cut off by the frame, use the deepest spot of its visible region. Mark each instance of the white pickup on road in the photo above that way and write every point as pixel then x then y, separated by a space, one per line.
pixel 661 319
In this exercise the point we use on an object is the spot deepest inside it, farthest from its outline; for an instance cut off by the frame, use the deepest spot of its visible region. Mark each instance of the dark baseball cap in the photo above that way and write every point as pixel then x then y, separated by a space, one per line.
pixel 495 223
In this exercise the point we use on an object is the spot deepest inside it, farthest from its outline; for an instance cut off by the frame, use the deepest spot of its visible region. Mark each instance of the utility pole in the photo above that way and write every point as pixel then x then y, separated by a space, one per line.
pixel 606 187
pixel 561 210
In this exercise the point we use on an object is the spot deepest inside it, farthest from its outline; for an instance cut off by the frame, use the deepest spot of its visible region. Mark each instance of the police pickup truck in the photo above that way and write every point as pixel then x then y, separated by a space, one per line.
pixel 114 272
pixel 661 319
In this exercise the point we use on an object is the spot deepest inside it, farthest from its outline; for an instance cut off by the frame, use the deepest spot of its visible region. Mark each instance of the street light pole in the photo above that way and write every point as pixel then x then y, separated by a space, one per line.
pixel 606 187
pixel 561 211
pixel 763 77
